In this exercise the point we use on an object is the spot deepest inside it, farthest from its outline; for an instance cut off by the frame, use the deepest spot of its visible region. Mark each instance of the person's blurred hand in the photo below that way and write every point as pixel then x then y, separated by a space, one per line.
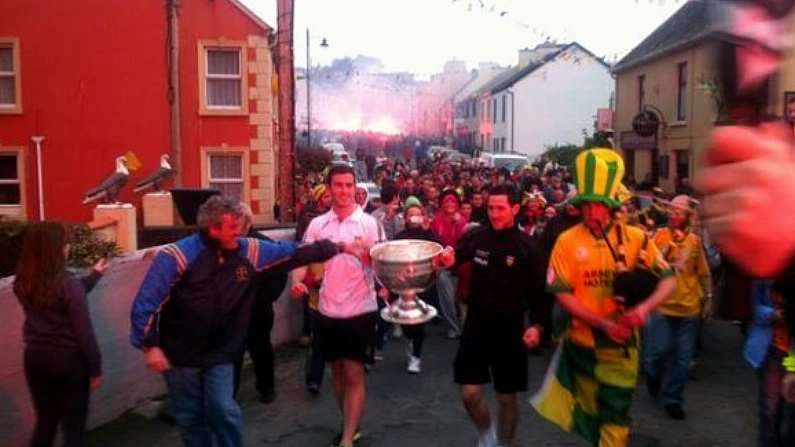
pixel 156 360
pixel 634 318
pixel 101 265
pixel 298 290
pixel 616 332
pixel 445 259
pixel 749 196
pixel 532 337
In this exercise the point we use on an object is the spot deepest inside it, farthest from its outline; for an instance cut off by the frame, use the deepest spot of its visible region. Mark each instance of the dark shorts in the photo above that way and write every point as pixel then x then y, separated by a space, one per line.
pixel 345 338
pixel 483 356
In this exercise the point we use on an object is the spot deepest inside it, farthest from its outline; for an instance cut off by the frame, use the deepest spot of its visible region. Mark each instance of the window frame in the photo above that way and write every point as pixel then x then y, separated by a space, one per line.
pixel 16 108
pixel 8 209
pixel 224 45
pixel 243 152
pixel 681 92
pixel 641 91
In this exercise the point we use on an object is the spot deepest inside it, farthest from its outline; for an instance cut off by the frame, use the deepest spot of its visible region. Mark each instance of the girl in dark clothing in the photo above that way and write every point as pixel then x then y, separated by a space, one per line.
pixel 62 359
pixel 416 229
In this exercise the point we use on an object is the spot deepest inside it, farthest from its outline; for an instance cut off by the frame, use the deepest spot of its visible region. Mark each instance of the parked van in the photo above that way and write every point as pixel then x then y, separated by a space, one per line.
pixel 508 161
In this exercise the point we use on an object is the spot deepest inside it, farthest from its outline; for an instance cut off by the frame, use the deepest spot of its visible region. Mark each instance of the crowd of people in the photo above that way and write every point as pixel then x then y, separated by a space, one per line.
pixel 616 282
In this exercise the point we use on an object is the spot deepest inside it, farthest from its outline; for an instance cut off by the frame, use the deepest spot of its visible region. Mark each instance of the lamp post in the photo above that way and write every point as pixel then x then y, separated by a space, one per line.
pixel 324 44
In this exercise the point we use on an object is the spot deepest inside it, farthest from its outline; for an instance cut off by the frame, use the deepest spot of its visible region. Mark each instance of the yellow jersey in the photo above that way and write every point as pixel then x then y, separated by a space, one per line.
pixel 685 253
pixel 581 264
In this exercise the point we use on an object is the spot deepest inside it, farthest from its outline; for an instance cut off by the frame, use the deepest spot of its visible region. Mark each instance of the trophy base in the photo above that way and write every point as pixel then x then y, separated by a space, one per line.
pixel 408 312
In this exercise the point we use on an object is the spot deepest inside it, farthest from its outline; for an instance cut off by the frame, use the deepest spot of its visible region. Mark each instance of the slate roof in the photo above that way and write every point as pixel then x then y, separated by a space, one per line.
pixel 692 23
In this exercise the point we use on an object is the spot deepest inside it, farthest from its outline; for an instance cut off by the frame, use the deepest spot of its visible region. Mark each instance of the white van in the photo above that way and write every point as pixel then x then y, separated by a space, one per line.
pixel 507 161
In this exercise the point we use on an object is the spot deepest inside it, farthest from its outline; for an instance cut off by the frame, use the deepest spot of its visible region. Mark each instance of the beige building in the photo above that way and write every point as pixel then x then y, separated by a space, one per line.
pixel 668 74
pixel 673 74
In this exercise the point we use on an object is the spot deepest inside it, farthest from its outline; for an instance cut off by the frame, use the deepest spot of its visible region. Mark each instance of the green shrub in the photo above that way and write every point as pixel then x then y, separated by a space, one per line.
pixel 313 159
pixel 86 247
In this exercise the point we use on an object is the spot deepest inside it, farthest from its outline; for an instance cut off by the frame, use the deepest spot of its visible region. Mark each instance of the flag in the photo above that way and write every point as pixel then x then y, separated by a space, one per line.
pixel 133 163
pixel 588 390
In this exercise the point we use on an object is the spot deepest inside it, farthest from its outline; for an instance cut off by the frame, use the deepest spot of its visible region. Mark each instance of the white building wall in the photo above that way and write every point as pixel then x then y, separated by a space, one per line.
pixel 555 103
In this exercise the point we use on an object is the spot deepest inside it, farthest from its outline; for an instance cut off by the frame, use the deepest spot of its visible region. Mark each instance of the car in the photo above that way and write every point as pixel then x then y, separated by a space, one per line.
pixel 510 162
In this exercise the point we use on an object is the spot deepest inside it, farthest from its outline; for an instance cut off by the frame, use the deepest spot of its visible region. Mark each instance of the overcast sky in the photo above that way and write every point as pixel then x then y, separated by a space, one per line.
pixel 420 35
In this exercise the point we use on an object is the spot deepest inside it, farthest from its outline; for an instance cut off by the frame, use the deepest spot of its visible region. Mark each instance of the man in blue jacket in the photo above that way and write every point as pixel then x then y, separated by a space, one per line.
pixel 192 312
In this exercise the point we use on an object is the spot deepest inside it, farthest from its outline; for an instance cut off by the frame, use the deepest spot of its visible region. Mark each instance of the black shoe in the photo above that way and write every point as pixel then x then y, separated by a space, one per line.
pixel 267 397
pixel 653 387
pixel 675 411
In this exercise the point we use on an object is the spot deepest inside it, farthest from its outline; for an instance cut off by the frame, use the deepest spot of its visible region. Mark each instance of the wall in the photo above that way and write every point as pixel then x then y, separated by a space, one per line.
pixel 661 86
pixel 94 83
pixel 556 102
pixel 127 382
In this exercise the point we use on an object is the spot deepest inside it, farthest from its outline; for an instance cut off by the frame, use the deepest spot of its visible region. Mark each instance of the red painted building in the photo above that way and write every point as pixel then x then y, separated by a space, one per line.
pixel 92 78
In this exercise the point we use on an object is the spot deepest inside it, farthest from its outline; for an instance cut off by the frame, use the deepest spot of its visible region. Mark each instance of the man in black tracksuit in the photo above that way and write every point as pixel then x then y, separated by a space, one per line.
pixel 191 316
pixel 507 280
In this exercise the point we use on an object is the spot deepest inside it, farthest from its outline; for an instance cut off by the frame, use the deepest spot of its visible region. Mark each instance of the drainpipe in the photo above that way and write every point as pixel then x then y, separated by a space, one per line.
pixel 172 40
pixel 37 141
pixel 510 92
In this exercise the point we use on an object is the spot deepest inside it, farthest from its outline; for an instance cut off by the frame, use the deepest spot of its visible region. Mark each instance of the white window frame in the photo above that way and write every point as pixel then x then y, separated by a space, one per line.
pixel 15 108
pixel 15 210
pixel 205 46
pixel 206 167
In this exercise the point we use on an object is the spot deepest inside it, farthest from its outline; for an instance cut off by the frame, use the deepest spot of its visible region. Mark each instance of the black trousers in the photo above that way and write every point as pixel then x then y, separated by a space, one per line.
pixel 59 386
pixel 258 345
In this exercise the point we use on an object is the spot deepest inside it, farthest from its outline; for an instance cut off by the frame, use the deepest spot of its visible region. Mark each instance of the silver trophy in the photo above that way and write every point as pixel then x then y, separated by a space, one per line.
pixel 406 268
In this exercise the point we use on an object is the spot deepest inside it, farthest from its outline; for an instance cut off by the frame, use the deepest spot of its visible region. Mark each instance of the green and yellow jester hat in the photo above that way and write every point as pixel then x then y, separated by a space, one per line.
pixel 599 174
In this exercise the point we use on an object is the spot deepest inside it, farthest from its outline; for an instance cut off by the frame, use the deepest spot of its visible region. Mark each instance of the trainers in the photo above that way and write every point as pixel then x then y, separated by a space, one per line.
pixel 397 332
pixel 415 365
pixel 675 411
pixel 313 388
pixel 337 441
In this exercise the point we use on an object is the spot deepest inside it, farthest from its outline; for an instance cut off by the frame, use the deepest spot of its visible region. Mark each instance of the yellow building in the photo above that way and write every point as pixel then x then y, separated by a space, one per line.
pixel 669 74
pixel 673 76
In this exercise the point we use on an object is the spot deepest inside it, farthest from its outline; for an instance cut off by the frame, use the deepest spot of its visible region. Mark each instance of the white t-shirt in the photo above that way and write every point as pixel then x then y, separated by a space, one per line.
pixel 348 288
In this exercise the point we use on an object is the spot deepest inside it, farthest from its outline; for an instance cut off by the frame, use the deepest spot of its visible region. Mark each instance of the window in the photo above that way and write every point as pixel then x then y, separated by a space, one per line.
pixel 227 170
pixel 487 113
pixel 494 113
pixel 10 92
pixel 503 138
pixel 10 182
pixel 681 96
pixel 503 108
pixel 226 174
pixel 223 78
pixel 641 92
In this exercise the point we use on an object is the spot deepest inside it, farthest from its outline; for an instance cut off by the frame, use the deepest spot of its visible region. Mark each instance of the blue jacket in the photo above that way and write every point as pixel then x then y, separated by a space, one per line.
pixel 196 299
pixel 760 334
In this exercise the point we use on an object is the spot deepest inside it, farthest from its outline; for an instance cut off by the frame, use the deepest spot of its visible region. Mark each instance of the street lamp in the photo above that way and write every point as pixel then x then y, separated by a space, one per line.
pixel 324 44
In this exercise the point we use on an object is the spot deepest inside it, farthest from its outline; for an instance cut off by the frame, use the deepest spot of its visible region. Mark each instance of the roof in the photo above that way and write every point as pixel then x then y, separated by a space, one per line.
pixel 690 24
pixel 514 75
pixel 250 14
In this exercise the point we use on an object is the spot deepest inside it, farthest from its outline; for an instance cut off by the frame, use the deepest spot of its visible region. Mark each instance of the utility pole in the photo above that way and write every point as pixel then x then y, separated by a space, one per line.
pixel 284 45
pixel 308 94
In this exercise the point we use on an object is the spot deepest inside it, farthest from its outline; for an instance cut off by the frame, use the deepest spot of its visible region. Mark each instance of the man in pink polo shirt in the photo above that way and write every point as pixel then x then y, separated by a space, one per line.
pixel 346 326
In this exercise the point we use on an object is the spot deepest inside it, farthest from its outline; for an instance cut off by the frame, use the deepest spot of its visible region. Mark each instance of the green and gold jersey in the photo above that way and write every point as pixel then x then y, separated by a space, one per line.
pixel 685 254
pixel 581 264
